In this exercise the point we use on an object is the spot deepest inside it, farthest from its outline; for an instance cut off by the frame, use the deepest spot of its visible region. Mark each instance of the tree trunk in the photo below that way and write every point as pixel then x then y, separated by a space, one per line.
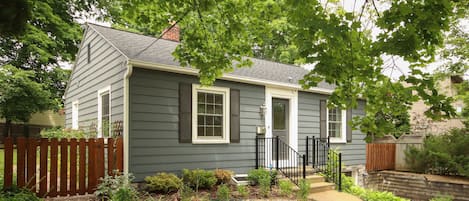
pixel 25 130
pixel 6 130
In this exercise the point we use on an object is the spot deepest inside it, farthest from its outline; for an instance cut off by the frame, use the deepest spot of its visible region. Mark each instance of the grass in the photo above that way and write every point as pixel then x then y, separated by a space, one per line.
pixel 2 160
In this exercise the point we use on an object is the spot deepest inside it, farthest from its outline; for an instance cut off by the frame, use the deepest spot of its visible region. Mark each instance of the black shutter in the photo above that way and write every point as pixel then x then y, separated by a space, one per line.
pixel 323 119
pixel 234 116
pixel 185 113
pixel 349 125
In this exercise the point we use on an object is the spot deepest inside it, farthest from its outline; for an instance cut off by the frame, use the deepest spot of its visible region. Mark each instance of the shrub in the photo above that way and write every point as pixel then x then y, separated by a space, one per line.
pixel 436 157
pixel 185 193
pixel 199 179
pixel 264 184
pixel 16 194
pixel 223 176
pixel 117 187
pixel 59 132
pixel 304 189
pixel 243 191
pixel 286 187
pixel 256 174
pixel 223 193
pixel 163 182
pixel 368 195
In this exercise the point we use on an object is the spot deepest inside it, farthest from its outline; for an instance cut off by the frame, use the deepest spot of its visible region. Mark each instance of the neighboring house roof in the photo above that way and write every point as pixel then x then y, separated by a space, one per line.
pixel 131 44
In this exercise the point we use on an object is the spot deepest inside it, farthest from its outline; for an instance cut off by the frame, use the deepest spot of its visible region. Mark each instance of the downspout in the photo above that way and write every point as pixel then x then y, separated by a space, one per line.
pixel 127 75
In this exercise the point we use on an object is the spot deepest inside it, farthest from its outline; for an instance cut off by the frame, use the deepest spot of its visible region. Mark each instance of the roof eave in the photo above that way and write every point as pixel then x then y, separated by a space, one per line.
pixel 228 77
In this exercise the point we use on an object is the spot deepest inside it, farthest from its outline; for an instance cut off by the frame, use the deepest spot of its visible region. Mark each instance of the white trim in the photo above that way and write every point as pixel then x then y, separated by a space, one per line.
pixel 75 115
pixel 229 77
pixel 292 96
pixel 343 124
pixel 226 115
pixel 100 112
pixel 127 75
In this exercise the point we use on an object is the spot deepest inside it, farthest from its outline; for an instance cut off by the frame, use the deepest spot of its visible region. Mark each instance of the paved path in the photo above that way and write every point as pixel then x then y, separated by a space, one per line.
pixel 332 195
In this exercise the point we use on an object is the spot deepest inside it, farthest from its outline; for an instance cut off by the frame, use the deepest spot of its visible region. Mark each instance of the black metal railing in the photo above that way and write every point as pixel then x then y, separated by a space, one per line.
pixel 275 153
pixel 325 160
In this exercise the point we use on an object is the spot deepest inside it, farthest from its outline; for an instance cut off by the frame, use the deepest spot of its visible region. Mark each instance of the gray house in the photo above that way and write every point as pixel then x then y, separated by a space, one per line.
pixel 171 122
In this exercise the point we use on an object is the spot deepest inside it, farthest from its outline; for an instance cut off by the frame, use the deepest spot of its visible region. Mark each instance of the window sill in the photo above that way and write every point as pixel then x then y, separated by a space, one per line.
pixel 206 141
pixel 338 141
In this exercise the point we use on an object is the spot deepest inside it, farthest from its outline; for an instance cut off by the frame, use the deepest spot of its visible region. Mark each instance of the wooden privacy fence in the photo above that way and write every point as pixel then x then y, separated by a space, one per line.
pixel 380 156
pixel 52 167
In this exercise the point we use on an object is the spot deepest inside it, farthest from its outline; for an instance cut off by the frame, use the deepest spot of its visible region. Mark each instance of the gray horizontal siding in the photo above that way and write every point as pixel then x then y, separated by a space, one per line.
pixel 354 152
pixel 107 68
pixel 154 145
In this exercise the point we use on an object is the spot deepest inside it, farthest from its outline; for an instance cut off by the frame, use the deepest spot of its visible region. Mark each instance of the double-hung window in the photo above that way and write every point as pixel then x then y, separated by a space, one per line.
pixel 104 112
pixel 336 125
pixel 210 114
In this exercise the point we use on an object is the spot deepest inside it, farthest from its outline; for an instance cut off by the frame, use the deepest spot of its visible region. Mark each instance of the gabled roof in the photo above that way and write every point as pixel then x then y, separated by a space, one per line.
pixel 131 44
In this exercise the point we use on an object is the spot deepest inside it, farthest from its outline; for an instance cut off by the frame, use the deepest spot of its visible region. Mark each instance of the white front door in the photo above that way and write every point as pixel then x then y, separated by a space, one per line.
pixel 281 120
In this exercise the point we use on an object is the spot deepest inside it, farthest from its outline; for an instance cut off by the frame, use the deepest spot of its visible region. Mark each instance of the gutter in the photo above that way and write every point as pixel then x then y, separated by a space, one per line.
pixel 228 77
pixel 127 75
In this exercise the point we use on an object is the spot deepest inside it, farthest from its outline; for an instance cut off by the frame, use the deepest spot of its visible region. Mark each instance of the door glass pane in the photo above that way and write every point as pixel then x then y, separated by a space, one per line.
pixel 279 115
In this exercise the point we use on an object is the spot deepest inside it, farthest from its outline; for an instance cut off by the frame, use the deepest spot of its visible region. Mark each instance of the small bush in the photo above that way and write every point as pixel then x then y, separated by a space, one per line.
pixel 163 182
pixel 368 195
pixel 243 191
pixel 117 187
pixel 223 176
pixel 199 179
pixel 286 187
pixel 264 184
pixel 186 193
pixel 256 174
pixel 59 132
pixel 223 193
pixel 442 198
pixel 304 189
pixel 16 194
pixel 436 157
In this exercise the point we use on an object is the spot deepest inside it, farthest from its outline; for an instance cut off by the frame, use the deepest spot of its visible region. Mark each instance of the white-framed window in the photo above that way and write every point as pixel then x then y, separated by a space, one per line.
pixel 104 112
pixel 210 114
pixel 75 105
pixel 337 125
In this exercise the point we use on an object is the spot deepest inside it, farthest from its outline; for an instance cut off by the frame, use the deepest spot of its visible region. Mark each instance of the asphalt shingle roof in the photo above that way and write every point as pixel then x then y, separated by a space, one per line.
pixel 131 44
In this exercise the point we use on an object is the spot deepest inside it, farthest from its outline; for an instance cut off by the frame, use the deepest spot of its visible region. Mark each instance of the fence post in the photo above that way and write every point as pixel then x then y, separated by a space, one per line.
pixel 257 152
pixel 304 166
pixel 277 151
pixel 328 141
pixel 340 172
pixel 307 149
pixel 314 152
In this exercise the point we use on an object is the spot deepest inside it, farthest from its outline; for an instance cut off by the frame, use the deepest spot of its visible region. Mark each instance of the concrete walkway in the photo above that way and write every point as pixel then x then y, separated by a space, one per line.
pixel 332 195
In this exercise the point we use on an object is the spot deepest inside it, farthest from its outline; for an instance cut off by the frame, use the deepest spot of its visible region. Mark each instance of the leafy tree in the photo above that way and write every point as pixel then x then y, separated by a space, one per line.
pixel 50 36
pixel 339 44
pixel 20 96
pixel 13 17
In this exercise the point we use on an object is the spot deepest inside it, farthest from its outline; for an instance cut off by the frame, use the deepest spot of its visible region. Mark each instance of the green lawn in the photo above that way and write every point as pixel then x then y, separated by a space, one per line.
pixel 2 160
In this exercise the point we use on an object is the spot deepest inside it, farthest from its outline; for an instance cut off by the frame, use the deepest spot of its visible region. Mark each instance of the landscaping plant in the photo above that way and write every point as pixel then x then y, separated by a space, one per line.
pixel 59 132
pixel 199 179
pixel 304 190
pixel 255 175
pixel 436 157
pixel 243 191
pixel 117 187
pixel 223 176
pixel 264 185
pixel 286 187
pixel 163 182
pixel 223 193
pixel 16 194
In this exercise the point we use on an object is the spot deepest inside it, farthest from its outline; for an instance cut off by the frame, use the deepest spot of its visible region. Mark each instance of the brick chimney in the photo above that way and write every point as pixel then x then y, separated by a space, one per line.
pixel 172 34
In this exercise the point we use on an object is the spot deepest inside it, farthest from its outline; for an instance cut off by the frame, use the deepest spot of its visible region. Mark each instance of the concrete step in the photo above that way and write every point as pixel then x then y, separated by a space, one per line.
pixel 321 187
pixel 315 178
